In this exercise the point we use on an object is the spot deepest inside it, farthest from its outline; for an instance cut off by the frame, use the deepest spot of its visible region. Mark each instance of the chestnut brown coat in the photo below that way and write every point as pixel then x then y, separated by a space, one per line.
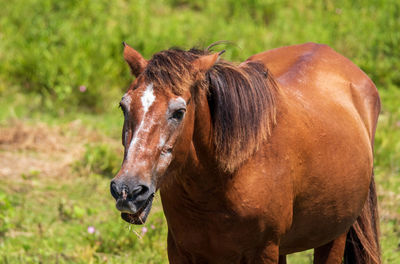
pixel 253 161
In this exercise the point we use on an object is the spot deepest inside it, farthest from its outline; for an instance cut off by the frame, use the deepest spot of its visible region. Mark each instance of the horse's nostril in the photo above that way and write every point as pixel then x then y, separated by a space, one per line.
pixel 114 190
pixel 134 193
pixel 139 190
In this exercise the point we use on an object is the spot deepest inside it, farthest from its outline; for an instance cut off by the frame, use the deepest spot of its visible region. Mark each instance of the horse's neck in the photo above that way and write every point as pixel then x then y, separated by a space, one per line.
pixel 200 178
pixel 202 167
pixel 196 189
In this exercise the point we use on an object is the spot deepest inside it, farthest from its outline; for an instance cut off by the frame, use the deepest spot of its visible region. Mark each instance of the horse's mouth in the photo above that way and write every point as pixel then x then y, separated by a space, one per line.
pixel 140 216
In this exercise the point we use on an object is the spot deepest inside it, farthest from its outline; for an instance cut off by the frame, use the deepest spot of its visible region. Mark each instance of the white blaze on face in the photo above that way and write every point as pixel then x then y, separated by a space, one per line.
pixel 147 100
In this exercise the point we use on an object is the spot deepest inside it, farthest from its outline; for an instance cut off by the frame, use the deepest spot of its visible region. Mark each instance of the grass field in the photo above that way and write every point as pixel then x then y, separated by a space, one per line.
pixel 62 75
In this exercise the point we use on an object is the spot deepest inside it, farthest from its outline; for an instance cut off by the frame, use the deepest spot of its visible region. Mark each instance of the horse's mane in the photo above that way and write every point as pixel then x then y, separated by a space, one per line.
pixel 242 100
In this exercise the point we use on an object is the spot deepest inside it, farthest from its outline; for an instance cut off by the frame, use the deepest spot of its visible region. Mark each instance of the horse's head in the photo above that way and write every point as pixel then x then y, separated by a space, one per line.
pixel 159 119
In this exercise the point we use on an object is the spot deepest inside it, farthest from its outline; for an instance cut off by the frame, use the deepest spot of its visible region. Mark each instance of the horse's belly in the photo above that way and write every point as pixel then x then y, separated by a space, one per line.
pixel 314 234
pixel 323 216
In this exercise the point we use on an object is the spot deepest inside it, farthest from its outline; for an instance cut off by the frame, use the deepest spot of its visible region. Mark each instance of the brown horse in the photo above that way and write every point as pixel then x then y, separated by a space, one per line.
pixel 252 167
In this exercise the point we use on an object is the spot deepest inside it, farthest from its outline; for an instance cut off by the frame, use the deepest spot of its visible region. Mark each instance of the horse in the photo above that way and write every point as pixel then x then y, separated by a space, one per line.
pixel 254 160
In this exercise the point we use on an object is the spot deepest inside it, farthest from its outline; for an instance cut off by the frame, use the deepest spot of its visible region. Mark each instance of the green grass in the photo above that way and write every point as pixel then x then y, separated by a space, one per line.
pixel 50 221
pixel 48 49
pixel 387 171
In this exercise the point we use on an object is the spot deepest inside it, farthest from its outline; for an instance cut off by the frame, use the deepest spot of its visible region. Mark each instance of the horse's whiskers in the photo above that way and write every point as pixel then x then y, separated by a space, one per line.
pixel 137 234
pixel 131 228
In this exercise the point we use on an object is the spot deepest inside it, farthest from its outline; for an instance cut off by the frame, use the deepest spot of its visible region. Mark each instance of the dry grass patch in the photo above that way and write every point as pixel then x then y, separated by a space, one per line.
pixel 40 150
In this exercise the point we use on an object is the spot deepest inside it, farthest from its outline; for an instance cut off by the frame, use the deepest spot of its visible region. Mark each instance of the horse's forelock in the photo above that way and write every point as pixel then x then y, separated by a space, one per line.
pixel 172 68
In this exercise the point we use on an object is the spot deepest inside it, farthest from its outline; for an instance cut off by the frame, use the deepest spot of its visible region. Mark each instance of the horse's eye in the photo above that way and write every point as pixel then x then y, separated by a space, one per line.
pixel 178 114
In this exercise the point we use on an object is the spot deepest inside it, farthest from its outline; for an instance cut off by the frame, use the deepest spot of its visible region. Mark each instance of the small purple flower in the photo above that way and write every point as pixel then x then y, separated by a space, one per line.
pixel 91 229
pixel 152 227
pixel 144 230
pixel 82 88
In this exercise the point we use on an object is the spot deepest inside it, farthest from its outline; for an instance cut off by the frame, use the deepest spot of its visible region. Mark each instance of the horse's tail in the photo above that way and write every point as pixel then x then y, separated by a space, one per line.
pixel 362 244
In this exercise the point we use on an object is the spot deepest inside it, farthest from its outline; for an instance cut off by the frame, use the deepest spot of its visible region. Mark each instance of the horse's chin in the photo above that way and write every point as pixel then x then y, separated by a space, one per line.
pixel 139 217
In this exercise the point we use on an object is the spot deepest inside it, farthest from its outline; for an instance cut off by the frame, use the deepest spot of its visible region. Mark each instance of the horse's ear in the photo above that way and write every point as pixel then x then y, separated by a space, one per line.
pixel 204 63
pixel 136 62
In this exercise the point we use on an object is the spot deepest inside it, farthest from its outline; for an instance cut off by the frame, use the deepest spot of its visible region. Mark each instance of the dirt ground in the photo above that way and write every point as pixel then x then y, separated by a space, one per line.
pixel 40 149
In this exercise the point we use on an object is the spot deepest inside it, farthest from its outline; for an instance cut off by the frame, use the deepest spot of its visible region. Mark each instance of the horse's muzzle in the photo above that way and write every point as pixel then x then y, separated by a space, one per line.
pixel 133 200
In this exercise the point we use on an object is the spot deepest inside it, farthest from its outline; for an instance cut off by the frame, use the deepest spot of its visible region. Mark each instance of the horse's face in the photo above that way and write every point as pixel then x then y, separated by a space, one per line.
pixel 157 133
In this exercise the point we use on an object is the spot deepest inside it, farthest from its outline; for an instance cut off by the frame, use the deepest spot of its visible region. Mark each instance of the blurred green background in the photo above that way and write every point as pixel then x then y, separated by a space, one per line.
pixel 61 78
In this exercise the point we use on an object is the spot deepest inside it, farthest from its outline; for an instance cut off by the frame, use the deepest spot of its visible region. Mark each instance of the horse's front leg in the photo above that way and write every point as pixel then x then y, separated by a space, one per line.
pixel 331 253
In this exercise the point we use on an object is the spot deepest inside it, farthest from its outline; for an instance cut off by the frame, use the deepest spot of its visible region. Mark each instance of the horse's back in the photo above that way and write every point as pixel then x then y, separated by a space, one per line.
pixel 311 70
